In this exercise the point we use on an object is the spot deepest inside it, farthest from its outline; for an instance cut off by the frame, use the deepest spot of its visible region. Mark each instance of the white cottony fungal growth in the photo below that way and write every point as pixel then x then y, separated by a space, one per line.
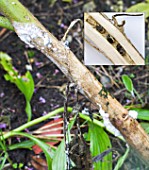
pixel 35 36
pixel 85 111
pixel 67 152
pixel 28 67
pixel 133 114
pixel 107 122
pixel 29 33
pixel 66 45
pixel 54 49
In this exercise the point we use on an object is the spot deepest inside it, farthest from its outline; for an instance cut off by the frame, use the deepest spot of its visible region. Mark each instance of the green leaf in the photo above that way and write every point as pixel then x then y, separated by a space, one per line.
pixel 3 160
pixel 25 145
pixel 132 75
pixel 122 159
pixel 15 165
pixel 67 1
pixel 45 148
pixel 24 83
pixel 99 142
pixel 59 160
pixel 30 53
pixel 21 165
pixel 140 7
pixel 128 83
pixel 52 2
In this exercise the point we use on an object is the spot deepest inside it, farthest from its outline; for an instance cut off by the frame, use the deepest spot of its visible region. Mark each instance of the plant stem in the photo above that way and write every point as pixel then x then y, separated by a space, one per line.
pixel 138 96
pixel 15 11
pixel 4 22
pixel 36 121
pixel 33 33
pixel 98 123
pixel 53 113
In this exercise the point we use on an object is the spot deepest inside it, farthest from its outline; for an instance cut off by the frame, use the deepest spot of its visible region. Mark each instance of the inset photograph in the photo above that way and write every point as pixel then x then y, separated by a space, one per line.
pixel 114 38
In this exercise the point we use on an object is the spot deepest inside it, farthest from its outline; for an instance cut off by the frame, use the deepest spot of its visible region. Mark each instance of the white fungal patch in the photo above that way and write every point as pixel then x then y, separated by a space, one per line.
pixel 133 114
pixel 13 3
pixel 28 67
pixel 32 35
pixel 107 122
pixel 85 111
pixel 54 49
pixel 49 45
pixel 35 36
pixel 66 45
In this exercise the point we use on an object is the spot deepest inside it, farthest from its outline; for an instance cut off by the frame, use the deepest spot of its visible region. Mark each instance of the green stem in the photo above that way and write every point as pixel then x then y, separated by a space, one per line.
pixel 5 23
pixel 15 11
pixel 87 118
pixel 36 121
pixel 138 96
pixel 4 148
pixel 98 123
pixel 53 113
pixel 28 110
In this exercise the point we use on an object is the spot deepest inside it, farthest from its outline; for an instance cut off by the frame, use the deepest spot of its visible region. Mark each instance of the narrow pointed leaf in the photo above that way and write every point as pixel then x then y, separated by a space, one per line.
pixel 128 83
pixel 121 160
pixel 46 149
pixel 100 142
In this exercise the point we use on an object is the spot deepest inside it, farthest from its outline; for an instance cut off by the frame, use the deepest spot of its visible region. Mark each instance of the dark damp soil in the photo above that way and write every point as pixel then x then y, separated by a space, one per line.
pixel 49 81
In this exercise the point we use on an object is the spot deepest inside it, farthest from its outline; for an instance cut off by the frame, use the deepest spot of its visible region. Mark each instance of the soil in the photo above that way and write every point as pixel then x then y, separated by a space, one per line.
pixel 49 81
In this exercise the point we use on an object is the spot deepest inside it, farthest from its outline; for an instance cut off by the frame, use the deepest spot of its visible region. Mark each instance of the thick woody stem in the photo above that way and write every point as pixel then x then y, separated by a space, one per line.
pixel 30 30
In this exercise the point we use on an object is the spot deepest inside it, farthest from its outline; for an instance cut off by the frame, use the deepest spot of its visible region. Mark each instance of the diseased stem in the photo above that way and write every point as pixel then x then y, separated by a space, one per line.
pixel 33 33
